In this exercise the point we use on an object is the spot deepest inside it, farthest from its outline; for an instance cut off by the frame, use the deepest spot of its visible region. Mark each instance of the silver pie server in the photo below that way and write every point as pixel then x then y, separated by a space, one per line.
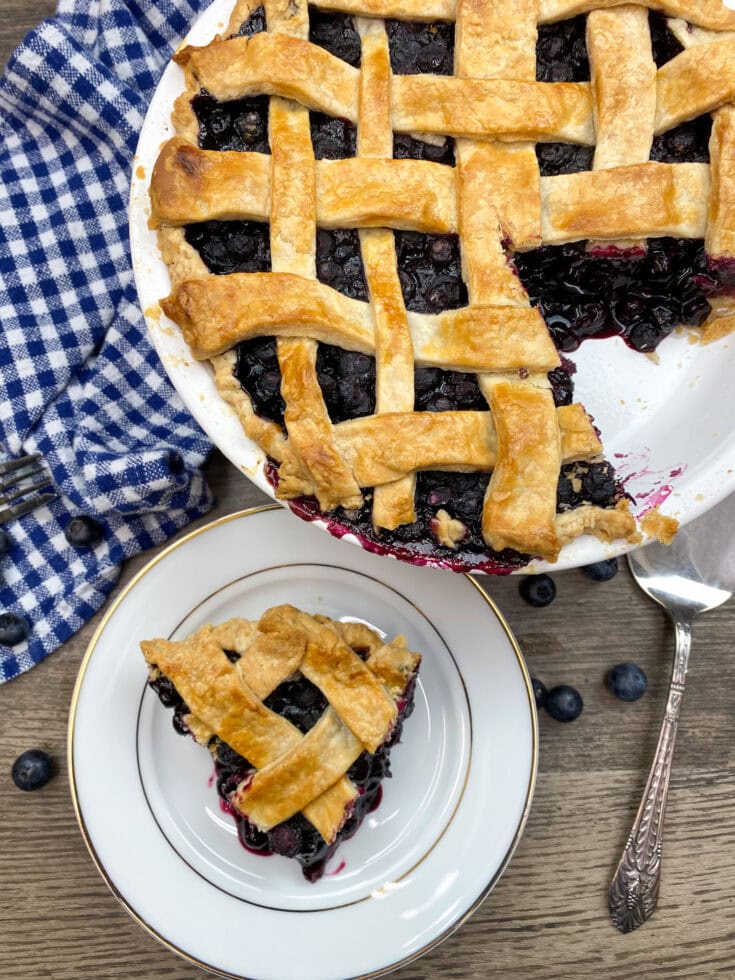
pixel 693 575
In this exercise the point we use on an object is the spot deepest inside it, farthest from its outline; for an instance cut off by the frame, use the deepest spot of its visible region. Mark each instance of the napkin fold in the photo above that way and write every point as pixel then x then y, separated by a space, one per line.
pixel 79 380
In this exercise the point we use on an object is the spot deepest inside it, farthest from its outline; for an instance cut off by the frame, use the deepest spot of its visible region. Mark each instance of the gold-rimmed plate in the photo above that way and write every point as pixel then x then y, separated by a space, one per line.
pixel 420 864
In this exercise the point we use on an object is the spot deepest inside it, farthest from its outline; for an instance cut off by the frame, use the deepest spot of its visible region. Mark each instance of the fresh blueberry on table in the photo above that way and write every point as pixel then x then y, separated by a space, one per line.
pixel 601 571
pixel 83 532
pixel 539 692
pixel 564 703
pixel 537 590
pixel 13 629
pixel 5 543
pixel 627 682
pixel 32 770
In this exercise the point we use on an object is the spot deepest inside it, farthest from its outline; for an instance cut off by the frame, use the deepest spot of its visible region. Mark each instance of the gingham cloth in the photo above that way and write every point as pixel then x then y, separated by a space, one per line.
pixel 79 380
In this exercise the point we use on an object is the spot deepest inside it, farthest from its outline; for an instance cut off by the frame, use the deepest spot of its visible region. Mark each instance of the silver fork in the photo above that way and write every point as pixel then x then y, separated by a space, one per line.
pixel 18 481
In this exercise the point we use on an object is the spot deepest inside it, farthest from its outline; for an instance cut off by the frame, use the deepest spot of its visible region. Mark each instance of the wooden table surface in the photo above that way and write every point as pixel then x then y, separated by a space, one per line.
pixel 547 917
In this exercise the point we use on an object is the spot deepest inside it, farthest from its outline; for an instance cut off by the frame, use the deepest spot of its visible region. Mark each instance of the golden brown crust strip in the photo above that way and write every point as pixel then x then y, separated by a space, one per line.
pixel 216 313
pixel 520 506
pixel 695 82
pixel 640 201
pixel 705 13
pixel 493 108
pixel 720 239
pixel 274 64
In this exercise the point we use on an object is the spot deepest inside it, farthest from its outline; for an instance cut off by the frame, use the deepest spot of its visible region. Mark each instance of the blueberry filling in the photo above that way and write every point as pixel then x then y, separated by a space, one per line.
pixel 664 44
pixel 339 262
pixel 408 148
pixel 429 268
pixel 347 380
pixel 231 246
pixel 420 49
pixel 332 138
pixel 254 24
pixel 563 158
pixel 688 143
pixel 336 34
pixel 561 51
pixel 302 704
pixel 445 391
pixel 639 299
pixel 240 124
pixel 257 370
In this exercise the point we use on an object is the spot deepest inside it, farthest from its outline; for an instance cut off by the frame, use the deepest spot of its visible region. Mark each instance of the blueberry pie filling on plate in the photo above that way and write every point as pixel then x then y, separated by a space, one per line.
pixel 386 223
pixel 300 714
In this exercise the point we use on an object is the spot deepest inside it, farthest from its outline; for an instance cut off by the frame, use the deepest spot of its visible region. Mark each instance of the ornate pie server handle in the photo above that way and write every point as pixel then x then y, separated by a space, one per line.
pixel 633 893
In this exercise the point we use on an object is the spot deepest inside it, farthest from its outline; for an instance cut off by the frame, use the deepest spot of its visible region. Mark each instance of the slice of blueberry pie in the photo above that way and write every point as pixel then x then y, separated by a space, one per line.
pixel 300 714
pixel 386 223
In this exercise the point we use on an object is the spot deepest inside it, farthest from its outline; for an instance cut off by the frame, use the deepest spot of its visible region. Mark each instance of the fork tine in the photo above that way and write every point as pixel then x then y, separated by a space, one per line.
pixel 23 491
pixel 11 513
pixel 26 472
pixel 16 464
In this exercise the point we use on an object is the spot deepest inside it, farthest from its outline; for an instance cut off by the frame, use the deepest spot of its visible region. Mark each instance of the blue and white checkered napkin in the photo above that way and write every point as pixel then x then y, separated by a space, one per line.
pixel 79 380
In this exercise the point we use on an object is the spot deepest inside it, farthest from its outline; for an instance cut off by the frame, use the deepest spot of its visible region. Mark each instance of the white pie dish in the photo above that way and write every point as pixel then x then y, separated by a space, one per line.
pixel 418 866
pixel 671 441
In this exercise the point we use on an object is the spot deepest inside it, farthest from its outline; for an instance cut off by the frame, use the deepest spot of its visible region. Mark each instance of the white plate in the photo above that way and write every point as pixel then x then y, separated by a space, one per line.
pixel 669 428
pixel 448 822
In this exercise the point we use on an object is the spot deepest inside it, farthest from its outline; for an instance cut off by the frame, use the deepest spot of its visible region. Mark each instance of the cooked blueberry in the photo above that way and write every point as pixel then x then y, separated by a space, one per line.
pixel 627 681
pixel 601 571
pixel 231 759
pixel 285 839
pixel 335 33
pixel 566 496
pixel 32 770
pixel 240 124
pixel 252 838
pixel 561 52
pixel 254 24
pixel 408 148
pixel 231 246
pixel 13 629
pixel 83 532
pixel 537 590
pixel 564 703
pixel 563 158
pixel 539 692
pixel 5 543
pixel 167 693
pixel 562 386
pixel 332 138
pixel 420 48
pixel 665 45
pixel 598 484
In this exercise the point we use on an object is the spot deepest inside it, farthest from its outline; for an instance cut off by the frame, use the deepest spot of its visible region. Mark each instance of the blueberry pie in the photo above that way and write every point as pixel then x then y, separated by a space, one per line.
pixel 300 714
pixel 386 223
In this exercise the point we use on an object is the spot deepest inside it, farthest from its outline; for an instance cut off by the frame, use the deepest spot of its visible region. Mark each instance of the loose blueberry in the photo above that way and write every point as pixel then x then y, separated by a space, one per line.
pixel 83 532
pixel 564 703
pixel 285 839
pixel 537 590
pixel 601 571
pixel 32 770
pixel 5 543
pixel 627 682
pixel 539 692
pixel 13 629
